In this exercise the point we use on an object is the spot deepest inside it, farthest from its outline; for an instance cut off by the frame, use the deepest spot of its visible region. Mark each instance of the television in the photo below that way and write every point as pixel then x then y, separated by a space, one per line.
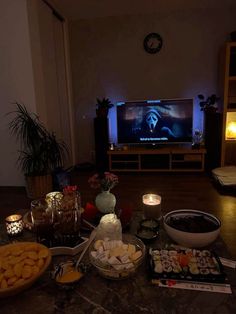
pixel 155 121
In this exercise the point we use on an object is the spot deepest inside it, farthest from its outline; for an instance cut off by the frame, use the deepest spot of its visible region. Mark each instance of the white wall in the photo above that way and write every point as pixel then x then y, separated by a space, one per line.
pixel 108 60
pixel 16 81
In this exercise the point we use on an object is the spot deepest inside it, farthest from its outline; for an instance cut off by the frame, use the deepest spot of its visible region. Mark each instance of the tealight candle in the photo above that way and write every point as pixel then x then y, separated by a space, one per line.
pixel 152 206
pixel 53 196
pixel 14 225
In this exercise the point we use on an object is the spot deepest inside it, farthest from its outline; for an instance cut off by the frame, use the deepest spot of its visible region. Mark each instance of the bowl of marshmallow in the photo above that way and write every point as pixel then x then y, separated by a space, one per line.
pixel 117 259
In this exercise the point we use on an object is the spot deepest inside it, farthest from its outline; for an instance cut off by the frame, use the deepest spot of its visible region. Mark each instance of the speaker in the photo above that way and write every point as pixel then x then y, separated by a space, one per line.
pixel 101 136
pixel 213 134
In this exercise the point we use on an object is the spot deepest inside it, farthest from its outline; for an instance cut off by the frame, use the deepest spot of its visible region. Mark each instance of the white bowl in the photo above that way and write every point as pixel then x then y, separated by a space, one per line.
pixel 191 238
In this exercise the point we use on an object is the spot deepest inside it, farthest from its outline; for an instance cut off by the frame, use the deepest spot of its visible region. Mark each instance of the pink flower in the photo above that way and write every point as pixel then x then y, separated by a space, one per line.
pixel 105 181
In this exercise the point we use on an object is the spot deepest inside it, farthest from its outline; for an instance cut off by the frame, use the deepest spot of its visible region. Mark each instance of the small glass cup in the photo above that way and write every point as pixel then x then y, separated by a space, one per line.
pixel 69 214
pixel 42 217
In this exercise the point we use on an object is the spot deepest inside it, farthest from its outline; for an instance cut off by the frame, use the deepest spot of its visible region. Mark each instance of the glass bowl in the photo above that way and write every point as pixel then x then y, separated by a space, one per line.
pixel 121 260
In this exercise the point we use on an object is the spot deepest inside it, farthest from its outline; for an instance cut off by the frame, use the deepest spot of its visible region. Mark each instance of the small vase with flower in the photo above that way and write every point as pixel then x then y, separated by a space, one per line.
pixel 105 201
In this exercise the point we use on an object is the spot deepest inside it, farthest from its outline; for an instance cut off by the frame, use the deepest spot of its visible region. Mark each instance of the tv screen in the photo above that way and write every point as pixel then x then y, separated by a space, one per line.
pixel 157 121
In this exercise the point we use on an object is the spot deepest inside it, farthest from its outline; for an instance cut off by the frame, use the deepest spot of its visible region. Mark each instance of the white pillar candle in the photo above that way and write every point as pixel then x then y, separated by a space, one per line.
pixel 152 206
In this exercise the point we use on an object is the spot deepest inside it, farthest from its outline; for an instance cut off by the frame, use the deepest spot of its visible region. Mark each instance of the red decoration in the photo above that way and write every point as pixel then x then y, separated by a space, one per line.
pixel 90 212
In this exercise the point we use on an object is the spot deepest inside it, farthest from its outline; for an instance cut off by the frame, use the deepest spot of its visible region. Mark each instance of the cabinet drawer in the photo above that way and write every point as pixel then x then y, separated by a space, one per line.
pixel 192 157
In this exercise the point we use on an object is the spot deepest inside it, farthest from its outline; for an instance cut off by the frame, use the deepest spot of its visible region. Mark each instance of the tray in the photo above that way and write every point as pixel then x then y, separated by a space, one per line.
pixel 186 265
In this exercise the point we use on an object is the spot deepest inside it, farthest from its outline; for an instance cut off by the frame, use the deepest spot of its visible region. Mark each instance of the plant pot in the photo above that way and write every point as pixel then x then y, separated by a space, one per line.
pixel 38 186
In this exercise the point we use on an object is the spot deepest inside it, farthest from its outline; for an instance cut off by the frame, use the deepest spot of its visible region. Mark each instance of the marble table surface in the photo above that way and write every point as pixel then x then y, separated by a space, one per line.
pixel 94 294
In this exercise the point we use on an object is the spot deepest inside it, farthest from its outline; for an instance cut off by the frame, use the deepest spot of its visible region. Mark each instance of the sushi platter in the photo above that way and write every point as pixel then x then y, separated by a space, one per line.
pixel 188 265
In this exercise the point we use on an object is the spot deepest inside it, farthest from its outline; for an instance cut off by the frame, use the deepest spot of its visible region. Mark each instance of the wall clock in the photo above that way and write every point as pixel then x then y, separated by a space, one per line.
pixel 152 43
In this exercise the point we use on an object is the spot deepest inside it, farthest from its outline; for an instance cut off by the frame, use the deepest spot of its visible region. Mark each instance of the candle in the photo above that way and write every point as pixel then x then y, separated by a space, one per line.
pixel 53 196
pixel 14 225
pixel 152 206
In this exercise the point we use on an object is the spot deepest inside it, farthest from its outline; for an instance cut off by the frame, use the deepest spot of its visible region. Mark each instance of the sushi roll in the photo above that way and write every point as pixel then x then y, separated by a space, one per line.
pixel 176 268
pixel 206 253
pixel 214 271
pixel 204 271
pixel 165 258
pixel 197 253
pixel 164 252
pixel 158 268
pixel 166 263
pixel 194 270
pixel 193 259
pixel 210 262
pixel 156 257
pixel 202 262
pixel 167 268
pixel 189 252
pixel 173 253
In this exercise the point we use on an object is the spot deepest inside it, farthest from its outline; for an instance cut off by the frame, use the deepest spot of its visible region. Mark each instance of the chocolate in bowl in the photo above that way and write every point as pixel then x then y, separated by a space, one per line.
pixel 191 228
pixel 195 224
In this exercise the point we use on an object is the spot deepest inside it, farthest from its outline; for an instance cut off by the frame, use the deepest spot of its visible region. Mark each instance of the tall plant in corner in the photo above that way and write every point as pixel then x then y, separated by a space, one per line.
pixel 40 152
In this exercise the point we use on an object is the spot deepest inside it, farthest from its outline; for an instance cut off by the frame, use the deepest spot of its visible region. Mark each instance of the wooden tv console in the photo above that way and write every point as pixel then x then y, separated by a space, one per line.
pixel 159 159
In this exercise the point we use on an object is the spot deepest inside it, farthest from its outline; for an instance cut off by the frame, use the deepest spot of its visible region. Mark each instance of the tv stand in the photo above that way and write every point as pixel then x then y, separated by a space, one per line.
pixel 169 159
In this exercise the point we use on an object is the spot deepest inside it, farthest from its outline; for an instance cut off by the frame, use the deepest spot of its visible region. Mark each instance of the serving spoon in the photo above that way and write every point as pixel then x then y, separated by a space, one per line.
pixel 91 238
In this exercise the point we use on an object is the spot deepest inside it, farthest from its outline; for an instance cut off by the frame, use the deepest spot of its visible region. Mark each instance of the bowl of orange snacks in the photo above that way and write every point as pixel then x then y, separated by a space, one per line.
pixel 21 264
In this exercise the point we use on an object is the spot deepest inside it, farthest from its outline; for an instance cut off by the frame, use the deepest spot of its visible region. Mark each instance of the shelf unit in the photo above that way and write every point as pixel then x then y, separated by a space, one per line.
pixel 228 75
pixel 161 159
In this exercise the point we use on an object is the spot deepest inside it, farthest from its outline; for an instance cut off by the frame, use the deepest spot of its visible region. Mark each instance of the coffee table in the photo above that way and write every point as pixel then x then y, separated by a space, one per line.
pixel 94 294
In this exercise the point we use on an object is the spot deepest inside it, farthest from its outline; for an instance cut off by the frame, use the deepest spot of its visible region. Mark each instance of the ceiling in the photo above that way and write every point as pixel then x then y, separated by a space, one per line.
pixel 86 9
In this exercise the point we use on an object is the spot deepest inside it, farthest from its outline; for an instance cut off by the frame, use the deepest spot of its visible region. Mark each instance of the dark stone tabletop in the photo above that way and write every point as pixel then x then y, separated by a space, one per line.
pixel 95 294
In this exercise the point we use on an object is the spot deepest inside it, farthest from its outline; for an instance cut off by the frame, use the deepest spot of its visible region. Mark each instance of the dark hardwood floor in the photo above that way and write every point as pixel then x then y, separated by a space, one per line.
pixel 178 190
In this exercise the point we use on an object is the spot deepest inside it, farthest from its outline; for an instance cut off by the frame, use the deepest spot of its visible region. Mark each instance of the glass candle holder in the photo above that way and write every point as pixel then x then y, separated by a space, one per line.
pixel 152 206
pixel 53 197
pixel 14 225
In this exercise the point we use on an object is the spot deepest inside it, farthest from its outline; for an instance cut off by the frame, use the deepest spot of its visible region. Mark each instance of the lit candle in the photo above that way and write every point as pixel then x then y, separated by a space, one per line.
pixel 152 206
pixel 14 225
pixel 53 196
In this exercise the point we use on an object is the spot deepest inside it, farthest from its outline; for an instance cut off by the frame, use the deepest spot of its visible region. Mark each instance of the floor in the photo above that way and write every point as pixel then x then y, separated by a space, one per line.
pixel 178 190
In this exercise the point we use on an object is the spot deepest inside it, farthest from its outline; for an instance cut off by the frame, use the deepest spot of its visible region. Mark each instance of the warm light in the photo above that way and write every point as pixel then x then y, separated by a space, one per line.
pixel 231 131
pixel 14 225
pixel 53 196
pixel 152 206
pixel 151 199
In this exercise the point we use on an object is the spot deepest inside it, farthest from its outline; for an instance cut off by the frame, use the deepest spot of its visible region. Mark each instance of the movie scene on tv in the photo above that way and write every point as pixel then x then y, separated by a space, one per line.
pixel 143 123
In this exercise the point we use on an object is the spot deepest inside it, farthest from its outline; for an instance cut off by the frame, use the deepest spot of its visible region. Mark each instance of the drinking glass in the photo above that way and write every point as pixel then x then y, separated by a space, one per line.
pixel 69 214
pixel 42 217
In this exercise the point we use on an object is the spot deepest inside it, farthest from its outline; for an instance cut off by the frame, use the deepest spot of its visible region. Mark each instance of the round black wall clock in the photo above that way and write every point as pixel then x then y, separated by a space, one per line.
pixel 152 43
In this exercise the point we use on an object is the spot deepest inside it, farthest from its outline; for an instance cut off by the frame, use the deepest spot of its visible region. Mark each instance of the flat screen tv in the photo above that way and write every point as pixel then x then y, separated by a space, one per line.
pixel 155 121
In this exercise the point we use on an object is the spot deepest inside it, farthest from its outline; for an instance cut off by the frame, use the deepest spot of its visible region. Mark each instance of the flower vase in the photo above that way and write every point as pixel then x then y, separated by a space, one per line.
pixel 105 201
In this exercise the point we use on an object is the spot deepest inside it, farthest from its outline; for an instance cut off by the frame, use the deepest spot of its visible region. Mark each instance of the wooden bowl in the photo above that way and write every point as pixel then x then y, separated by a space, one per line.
pixel 13 261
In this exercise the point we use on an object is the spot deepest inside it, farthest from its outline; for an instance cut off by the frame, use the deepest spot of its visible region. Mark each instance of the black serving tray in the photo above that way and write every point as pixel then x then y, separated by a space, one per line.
pixel 185 265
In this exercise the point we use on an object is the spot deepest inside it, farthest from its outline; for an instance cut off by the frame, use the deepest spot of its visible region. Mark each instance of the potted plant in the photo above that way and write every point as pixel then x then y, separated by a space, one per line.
pixel 40 154
pixel 208 104
pixel 103 106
